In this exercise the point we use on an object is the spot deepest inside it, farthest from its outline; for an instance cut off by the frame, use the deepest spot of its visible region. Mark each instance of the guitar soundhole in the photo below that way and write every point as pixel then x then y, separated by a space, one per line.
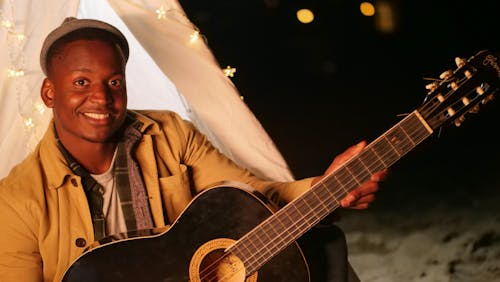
pixel 211 263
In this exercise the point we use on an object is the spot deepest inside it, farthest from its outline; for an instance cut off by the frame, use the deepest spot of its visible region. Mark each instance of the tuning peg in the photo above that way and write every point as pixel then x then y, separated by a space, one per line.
pixel 479 90
pixel 459 121
pixel 446 74
pixel 459 61
pixel 466 101
pixel 488 99
pixel 474 110
pixel 432 86
pixel 450 111
pixel 454 85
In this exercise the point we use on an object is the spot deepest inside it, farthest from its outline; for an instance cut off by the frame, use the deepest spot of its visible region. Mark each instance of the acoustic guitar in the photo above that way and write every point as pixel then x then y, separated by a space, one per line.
pixel 229 233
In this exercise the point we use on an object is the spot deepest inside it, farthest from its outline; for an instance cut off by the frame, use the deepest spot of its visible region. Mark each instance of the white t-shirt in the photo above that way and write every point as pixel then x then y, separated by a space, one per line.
pixel 112 209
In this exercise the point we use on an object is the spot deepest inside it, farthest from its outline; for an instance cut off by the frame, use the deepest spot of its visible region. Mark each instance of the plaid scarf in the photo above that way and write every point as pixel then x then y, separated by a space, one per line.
pixel 129 183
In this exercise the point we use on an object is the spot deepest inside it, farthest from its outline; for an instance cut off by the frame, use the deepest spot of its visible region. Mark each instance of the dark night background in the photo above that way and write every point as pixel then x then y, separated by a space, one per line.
pixel 321 87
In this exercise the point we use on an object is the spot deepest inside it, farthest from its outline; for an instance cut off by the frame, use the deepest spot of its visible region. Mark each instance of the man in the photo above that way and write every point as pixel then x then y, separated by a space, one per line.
pixel 101 169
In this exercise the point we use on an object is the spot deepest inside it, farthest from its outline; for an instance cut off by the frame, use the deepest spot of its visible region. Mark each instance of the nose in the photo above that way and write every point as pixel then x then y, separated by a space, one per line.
pixel 101 94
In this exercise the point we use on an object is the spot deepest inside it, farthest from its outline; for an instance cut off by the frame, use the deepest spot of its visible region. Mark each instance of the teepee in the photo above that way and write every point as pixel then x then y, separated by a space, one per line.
pixel 170 67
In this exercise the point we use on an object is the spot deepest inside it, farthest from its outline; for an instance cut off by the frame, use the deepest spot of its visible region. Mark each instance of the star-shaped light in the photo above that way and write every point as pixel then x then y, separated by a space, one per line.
pixel 7 24
pixel 28 122
pixel 229 71
pixel 40 108
pixel 162 13
pixel 194 36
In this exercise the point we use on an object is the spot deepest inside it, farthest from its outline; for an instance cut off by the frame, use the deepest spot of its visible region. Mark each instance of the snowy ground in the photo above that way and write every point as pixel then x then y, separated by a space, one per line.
pixel 454 239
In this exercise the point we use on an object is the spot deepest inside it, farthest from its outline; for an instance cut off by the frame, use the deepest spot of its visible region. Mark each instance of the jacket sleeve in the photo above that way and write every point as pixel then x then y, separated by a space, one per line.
pixel 209 166
pixel 20 259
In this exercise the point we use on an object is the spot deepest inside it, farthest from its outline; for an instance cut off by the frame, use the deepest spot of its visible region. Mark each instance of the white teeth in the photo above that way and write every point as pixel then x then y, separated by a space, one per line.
pixel 97 116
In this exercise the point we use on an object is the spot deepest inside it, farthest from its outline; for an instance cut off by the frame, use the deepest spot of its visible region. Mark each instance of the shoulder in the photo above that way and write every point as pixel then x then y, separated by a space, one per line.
pixel 160 117
pixel 22 172
pixel 163 122
pixel 23 186
pixel 154 115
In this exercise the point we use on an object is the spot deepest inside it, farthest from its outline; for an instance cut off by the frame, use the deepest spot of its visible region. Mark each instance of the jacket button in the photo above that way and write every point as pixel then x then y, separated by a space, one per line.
pixel 80 242
pixel 73 182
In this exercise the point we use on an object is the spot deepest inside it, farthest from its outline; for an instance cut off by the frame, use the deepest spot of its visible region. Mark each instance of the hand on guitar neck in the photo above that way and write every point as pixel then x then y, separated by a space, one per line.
pixel 361 197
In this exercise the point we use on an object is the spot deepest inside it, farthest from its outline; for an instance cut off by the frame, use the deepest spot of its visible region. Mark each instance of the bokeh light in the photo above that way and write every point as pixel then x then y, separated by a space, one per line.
pixel 305 16
pixel 367 9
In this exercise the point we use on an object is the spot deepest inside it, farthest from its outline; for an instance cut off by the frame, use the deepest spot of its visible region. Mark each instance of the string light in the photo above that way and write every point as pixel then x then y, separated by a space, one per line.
pixel 8 24
pixel 40 108
pixel 30 113
pixel 162 13
pixel 193 38
pixel 28 122
pixel 14 73
pixel 229 71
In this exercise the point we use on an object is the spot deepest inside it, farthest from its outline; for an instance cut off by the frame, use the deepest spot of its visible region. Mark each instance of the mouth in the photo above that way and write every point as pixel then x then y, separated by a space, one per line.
pixel 97 116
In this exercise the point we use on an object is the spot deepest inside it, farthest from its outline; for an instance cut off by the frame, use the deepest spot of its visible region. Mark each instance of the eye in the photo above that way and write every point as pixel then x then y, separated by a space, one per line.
pixel 81 82
pixel 116 83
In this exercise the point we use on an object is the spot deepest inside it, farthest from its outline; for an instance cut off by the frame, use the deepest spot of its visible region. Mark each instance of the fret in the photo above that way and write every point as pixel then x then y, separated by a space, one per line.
pixel 343 177
pixel 375 160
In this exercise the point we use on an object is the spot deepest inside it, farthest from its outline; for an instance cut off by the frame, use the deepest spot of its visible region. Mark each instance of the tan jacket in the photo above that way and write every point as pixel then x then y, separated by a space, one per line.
pixel 45 221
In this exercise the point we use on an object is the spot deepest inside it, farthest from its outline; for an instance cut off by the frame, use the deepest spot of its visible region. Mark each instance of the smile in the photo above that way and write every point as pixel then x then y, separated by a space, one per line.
pixel 97 116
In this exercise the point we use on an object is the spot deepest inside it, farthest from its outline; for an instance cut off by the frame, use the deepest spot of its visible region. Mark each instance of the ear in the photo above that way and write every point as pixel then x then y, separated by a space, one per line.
pixel 47 93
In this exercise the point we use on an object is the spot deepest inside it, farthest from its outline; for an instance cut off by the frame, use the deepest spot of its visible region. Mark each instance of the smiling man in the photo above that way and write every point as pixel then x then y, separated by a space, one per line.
pixel 91 106
pixel 103 170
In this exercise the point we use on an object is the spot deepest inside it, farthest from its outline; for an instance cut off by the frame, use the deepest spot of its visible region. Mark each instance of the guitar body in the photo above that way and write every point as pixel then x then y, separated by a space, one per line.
pixel 212 222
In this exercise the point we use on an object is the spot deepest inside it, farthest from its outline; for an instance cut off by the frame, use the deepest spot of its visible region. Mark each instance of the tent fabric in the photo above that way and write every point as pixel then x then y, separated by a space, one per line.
pixel 165 71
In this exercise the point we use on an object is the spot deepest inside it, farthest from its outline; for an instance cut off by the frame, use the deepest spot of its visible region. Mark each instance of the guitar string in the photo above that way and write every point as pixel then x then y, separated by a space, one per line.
pixel 434 124
pixel 411 145
pixel 425 112
pixel 339 192
pixel 362 168
pixel 324 190
pixel 350 180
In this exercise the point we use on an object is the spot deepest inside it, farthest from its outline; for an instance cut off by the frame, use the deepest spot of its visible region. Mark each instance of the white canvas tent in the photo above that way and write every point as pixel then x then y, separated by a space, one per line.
pixel 168 69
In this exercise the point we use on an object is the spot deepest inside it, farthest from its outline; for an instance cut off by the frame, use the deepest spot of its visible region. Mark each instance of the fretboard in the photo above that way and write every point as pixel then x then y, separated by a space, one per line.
pixel 292 221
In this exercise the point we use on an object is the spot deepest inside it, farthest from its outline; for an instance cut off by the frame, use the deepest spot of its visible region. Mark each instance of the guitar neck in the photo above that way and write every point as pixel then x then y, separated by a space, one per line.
pixel 293 220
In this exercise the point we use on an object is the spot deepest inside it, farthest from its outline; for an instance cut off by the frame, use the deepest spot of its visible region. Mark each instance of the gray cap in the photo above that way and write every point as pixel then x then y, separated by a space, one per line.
pixel 72 24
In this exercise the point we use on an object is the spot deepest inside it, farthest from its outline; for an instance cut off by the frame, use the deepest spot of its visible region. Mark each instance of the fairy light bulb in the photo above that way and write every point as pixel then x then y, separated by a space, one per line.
pixel 28 122
pixel 161 13
pixel 194 37
pixel 40 108
pixel 229 71
pixel 8 24
pixel 15 73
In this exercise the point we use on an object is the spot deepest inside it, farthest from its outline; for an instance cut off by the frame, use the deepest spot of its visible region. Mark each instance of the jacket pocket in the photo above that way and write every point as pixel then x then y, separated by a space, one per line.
pixel 176 193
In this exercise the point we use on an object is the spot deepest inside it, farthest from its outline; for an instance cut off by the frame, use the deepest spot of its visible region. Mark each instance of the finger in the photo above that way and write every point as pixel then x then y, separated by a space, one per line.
pixel 348 200
pixel 366 189
pixel 348 153
pixel 379 176
pixel 369 187
pixel 352 202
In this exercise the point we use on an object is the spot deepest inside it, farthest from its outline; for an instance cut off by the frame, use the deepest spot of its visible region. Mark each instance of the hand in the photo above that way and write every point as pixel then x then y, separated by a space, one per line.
pixel 361 197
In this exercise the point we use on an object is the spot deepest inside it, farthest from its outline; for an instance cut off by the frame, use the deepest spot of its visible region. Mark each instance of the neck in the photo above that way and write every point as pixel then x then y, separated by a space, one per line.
pixel 95 157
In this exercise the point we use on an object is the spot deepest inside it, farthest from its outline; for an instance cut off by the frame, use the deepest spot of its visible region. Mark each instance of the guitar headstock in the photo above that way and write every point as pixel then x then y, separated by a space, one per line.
pixel 462 91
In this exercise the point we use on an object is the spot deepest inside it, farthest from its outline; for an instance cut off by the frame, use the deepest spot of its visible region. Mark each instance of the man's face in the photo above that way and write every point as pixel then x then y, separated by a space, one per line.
pixel 86 90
